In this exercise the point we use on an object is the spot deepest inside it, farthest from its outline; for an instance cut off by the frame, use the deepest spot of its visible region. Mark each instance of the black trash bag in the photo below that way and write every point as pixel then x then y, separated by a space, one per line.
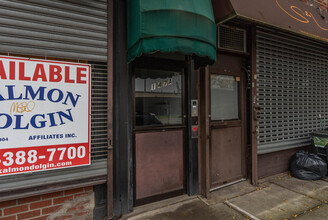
pixel 307 166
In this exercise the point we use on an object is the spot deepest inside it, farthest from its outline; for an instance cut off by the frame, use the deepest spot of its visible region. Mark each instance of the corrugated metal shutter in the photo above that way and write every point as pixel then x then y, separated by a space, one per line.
pixel 63 29
pixel 69 29
pixel 55 28
pixel 292 89
pixel 99 139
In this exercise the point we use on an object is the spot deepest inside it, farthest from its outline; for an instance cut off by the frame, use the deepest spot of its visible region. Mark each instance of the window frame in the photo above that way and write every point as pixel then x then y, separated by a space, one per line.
pixel 232 121
pixel 163 65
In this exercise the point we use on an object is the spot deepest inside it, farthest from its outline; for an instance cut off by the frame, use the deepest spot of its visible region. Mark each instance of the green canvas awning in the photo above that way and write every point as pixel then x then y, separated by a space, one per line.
pixel 185 26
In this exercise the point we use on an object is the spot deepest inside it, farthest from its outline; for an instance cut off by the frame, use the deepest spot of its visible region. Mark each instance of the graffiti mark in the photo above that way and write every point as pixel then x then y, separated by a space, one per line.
pixel 300 15
pixel 22 107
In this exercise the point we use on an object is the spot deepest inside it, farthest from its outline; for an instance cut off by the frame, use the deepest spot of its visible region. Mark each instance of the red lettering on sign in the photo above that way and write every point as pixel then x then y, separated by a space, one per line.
pixel 39 73
pixel 67 79
pixel 55 73
pixel 2 71
pixel 31 159
pixel 81 75
pixel 22 72
pixel 44 72
pixel 12 69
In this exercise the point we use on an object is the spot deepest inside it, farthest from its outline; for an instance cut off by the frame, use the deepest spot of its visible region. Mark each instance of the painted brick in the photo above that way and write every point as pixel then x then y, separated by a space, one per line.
pixel 52 195
pixel 62 200
pixel 29 199
pixel 81 213
pixel 40 218
pixel 82 203
pixel 27 215
pixel 88 188
pixel 8 218
pixel 75 208
pixel 41 204
pixel 51 209
pixel 44 207
pixel 7 203
pixel 80 194
pixel 64 217
pixel 73 191
pixel 16 209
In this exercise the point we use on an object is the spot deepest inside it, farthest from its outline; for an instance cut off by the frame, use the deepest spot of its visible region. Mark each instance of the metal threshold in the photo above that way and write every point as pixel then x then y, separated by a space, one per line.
pixel 228 184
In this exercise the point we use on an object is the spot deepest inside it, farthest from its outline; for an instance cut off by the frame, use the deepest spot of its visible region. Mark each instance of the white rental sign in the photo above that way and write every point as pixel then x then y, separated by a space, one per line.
pixel 44 115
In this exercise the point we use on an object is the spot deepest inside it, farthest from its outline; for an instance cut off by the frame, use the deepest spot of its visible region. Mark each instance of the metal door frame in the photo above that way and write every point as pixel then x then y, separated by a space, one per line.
pixel 233 123
pixel 161 64
pixel 204 124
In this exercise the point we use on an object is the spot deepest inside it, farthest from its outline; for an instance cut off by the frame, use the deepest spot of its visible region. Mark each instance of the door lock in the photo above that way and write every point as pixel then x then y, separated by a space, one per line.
pixel 257 113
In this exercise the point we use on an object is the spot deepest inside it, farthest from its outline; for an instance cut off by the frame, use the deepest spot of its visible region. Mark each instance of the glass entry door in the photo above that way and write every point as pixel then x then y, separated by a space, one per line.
pixel 158 98
pixel 159 128
pixel 227 128
pixel 225 104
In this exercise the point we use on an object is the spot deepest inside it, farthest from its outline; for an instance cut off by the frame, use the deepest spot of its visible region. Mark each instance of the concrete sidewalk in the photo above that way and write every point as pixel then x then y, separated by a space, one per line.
pixel 277 197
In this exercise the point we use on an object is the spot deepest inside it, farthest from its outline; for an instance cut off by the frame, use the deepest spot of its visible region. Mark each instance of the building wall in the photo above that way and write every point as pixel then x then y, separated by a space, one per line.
pixel 49 30
pixel 69 204
pixel 322 3
pixel 276 162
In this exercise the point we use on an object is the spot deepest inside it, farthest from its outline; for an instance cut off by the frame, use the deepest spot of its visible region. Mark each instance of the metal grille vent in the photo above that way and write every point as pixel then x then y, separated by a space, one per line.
pixel 231 38
pixel 292 90
pixel 99 139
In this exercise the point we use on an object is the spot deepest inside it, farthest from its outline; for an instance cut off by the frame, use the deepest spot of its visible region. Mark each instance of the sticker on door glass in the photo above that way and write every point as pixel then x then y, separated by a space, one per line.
pixel 223 82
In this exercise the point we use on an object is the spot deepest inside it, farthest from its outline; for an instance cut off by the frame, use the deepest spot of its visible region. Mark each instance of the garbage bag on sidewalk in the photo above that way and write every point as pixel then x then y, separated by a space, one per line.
pixel 307 166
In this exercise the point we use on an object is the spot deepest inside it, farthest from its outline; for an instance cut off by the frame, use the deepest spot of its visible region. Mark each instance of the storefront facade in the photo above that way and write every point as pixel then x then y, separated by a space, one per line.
pixel 56 37
pixel 196 125
pixel 285 64
pixel 197 96
pixel 159 149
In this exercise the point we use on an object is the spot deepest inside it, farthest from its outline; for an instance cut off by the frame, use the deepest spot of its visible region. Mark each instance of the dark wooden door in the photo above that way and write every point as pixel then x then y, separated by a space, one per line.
pixel 227 127
pixel 159 130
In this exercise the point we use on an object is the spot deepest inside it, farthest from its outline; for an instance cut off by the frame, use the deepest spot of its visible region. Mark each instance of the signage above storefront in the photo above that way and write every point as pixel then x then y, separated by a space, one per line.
pixel 44 115
pixel 295 16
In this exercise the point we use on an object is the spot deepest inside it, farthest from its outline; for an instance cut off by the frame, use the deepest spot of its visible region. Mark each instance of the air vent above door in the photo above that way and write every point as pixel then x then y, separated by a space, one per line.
pixel 231 38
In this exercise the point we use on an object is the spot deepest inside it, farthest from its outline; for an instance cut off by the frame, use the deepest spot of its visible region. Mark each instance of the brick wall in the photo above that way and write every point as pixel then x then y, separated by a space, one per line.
pixel 322 3
pixel 70 204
